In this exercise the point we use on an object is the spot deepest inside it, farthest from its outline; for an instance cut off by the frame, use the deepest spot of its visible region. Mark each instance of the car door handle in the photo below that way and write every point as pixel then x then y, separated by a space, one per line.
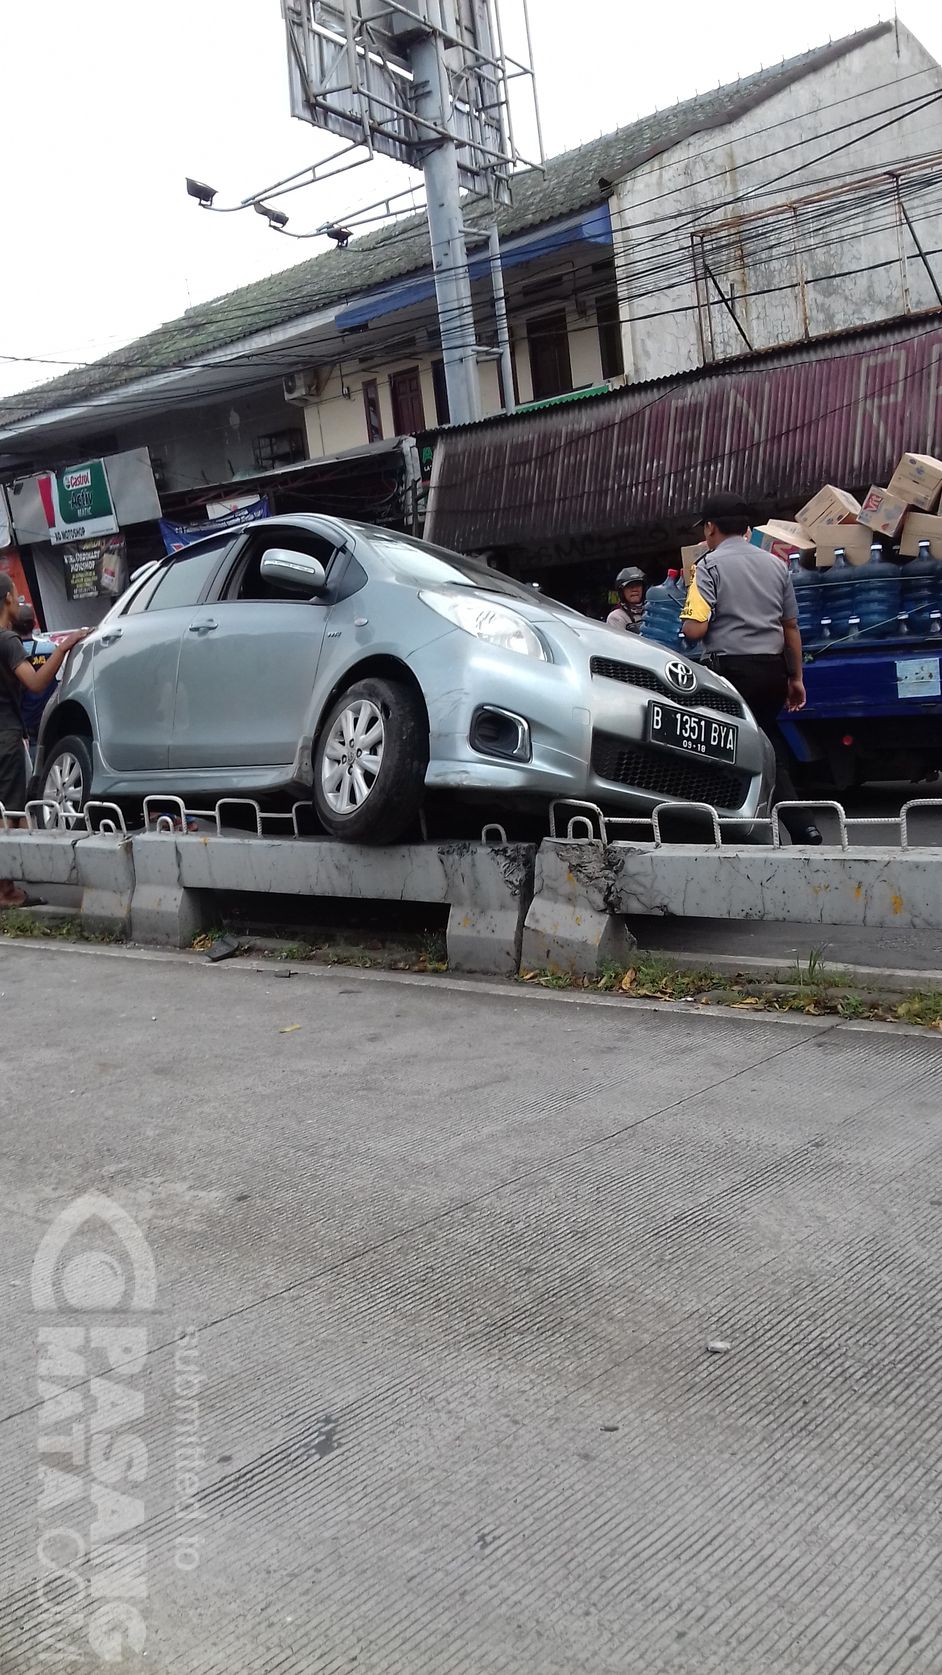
pixel 109 638
pixel 203 627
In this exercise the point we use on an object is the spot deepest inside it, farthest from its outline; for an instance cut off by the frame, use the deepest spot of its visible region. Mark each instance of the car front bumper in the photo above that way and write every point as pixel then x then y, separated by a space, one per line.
pixel 588 737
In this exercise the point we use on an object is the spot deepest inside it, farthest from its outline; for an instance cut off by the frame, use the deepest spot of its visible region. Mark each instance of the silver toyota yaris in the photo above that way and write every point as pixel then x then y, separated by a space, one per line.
pixel 364 669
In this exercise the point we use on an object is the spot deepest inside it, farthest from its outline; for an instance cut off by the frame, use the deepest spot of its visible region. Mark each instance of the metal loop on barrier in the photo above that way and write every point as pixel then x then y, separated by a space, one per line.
pixel 916 802
pixel 493 827
pixel 587 834
pixel 58 822
pixel 112 821
pixel 808 808
pixel 239 802
pixel 672 808
pixel 576 803
pixel 163 822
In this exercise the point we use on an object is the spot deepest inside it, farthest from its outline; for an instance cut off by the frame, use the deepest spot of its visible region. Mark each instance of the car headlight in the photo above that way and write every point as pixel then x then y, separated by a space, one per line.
pixel 487 621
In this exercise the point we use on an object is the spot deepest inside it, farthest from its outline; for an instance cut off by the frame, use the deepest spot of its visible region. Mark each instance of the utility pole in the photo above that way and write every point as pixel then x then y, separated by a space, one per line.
pixel 446 234
pixel 425 82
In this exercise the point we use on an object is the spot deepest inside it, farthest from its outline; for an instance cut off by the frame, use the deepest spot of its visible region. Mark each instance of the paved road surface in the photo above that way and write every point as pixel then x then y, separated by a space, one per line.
pixel 447 1258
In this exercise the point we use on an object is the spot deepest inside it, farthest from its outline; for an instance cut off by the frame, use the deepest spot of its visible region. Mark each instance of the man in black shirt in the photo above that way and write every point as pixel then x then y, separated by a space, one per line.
pixel 16 675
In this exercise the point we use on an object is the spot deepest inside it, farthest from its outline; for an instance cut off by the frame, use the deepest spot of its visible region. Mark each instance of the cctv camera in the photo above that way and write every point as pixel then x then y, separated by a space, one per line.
pixel 203 194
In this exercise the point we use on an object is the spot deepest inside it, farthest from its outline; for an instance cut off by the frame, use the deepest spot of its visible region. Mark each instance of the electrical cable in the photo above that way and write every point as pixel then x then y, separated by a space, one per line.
pixel 846 220
pixel 898 114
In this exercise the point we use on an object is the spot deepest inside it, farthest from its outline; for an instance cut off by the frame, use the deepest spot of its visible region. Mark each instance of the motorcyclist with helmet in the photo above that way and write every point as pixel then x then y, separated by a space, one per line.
pixel 630 608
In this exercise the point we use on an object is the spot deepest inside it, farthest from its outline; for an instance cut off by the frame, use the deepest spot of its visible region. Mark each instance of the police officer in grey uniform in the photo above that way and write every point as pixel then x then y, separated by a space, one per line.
pixel 741 603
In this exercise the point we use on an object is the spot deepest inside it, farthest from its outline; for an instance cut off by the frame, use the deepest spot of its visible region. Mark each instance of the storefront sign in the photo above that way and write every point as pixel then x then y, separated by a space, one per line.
pixel 77 503
pixel 94 567
pixel 179 535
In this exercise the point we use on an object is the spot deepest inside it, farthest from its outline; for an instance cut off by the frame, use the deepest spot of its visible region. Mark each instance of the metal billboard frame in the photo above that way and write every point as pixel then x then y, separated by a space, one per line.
pixel 358 69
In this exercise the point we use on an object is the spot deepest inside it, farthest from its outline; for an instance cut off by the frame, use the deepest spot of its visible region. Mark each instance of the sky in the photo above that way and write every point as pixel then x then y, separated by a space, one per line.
pixel 107 107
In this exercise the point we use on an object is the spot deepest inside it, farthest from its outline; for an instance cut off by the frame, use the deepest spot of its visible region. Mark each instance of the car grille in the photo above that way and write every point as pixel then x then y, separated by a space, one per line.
pixel 666 775
pixel 633 675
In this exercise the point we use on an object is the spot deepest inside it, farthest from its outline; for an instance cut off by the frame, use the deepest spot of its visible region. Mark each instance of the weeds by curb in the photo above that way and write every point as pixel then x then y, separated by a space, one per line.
pixel 813 991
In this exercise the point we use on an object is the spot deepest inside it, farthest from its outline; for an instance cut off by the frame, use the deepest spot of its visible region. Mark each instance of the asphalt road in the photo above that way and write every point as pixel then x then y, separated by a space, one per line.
pixel 394 1357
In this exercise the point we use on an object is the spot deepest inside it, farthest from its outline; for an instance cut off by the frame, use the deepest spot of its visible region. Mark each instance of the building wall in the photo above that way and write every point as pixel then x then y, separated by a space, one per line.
pixel 794 264
pixel 194 446
pixel 336 421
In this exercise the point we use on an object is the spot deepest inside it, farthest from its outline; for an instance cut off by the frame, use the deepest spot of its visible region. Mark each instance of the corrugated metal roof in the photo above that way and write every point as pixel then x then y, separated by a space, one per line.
pixel 774 428
pixel 569 183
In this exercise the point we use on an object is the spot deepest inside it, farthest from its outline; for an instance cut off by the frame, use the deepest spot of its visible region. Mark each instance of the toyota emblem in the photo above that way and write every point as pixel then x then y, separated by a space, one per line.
pixel 680 675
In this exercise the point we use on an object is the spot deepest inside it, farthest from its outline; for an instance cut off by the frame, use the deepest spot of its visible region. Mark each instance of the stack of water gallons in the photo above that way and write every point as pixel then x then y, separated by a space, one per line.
pixel 888 598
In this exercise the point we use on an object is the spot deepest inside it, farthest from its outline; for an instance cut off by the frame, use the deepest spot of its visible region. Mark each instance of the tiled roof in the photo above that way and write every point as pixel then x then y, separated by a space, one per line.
pixel 570 184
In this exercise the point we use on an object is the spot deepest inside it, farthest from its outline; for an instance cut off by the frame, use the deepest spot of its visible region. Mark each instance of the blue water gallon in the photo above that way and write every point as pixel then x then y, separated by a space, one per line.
pixel 839 595
pixel 877 595
pixel 807 585
pixel 919 583
pixel 662 608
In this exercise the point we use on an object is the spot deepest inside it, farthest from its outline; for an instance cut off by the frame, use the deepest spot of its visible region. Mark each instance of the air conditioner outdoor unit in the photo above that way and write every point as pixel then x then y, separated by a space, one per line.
pixel 301 387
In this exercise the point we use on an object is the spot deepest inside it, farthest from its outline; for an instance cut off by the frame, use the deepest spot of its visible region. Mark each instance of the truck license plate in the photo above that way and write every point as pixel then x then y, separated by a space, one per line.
pixel 698 734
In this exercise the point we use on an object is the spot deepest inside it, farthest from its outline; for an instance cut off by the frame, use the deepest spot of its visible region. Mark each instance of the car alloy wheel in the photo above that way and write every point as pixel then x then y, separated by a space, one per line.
pixel 66 785
pixel 353 756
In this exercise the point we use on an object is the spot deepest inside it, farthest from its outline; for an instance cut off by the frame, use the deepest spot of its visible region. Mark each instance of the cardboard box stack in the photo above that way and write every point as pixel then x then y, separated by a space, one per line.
pixel 883 513
pixel 782 538
pixel 855 540
pixel 909 510
pixel 921 526
pixel 828 509
pixel 917 481
pixel 903 512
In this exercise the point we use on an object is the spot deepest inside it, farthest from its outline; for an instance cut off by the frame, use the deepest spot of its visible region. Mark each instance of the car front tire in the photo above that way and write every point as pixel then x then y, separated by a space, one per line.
pixel 369 762
pixel 66 782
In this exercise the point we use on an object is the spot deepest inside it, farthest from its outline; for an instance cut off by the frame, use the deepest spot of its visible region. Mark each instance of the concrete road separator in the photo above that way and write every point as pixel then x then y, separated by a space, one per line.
pixel 488 887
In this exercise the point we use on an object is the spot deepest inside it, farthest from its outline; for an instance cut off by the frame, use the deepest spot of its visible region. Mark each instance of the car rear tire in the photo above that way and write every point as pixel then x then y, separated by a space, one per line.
pixel 369 762
pixel 66 782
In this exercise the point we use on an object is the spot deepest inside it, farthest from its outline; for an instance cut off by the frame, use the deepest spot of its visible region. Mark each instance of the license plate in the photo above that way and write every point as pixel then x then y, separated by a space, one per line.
pixel 699 735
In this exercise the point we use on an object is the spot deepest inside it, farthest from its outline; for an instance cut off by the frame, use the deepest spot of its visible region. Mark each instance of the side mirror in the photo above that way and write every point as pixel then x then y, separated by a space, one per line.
pixel 298 570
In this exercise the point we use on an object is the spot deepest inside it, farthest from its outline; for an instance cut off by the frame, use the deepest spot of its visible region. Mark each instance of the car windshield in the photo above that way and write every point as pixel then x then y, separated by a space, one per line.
pixel 427 566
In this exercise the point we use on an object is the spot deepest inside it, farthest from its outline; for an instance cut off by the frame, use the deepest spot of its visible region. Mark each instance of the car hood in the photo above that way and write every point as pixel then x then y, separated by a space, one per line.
pixel 595 639
pixel 577 635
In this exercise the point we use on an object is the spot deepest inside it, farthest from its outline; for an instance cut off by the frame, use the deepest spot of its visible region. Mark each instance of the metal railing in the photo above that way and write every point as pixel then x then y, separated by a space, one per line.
pixel 169 816
pixel 51 821
pixel 589 822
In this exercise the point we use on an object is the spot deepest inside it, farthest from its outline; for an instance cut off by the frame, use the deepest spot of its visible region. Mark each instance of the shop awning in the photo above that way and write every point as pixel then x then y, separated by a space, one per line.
pixel 772 426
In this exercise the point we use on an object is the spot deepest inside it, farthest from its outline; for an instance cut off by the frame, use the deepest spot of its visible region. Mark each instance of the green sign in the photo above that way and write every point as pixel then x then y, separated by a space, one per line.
pixel 77 502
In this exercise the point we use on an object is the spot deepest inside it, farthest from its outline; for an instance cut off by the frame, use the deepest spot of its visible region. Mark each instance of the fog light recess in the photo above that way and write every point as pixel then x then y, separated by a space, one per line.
pixel 497 732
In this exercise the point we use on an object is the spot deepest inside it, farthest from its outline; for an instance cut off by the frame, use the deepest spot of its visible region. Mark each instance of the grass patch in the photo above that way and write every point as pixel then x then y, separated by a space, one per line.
pixel 21 922
pixel 423 952
pixel 813 991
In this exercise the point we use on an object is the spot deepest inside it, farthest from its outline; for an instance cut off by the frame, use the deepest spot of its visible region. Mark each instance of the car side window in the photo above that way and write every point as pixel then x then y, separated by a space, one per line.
pixel 248 582
pixel 182 581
